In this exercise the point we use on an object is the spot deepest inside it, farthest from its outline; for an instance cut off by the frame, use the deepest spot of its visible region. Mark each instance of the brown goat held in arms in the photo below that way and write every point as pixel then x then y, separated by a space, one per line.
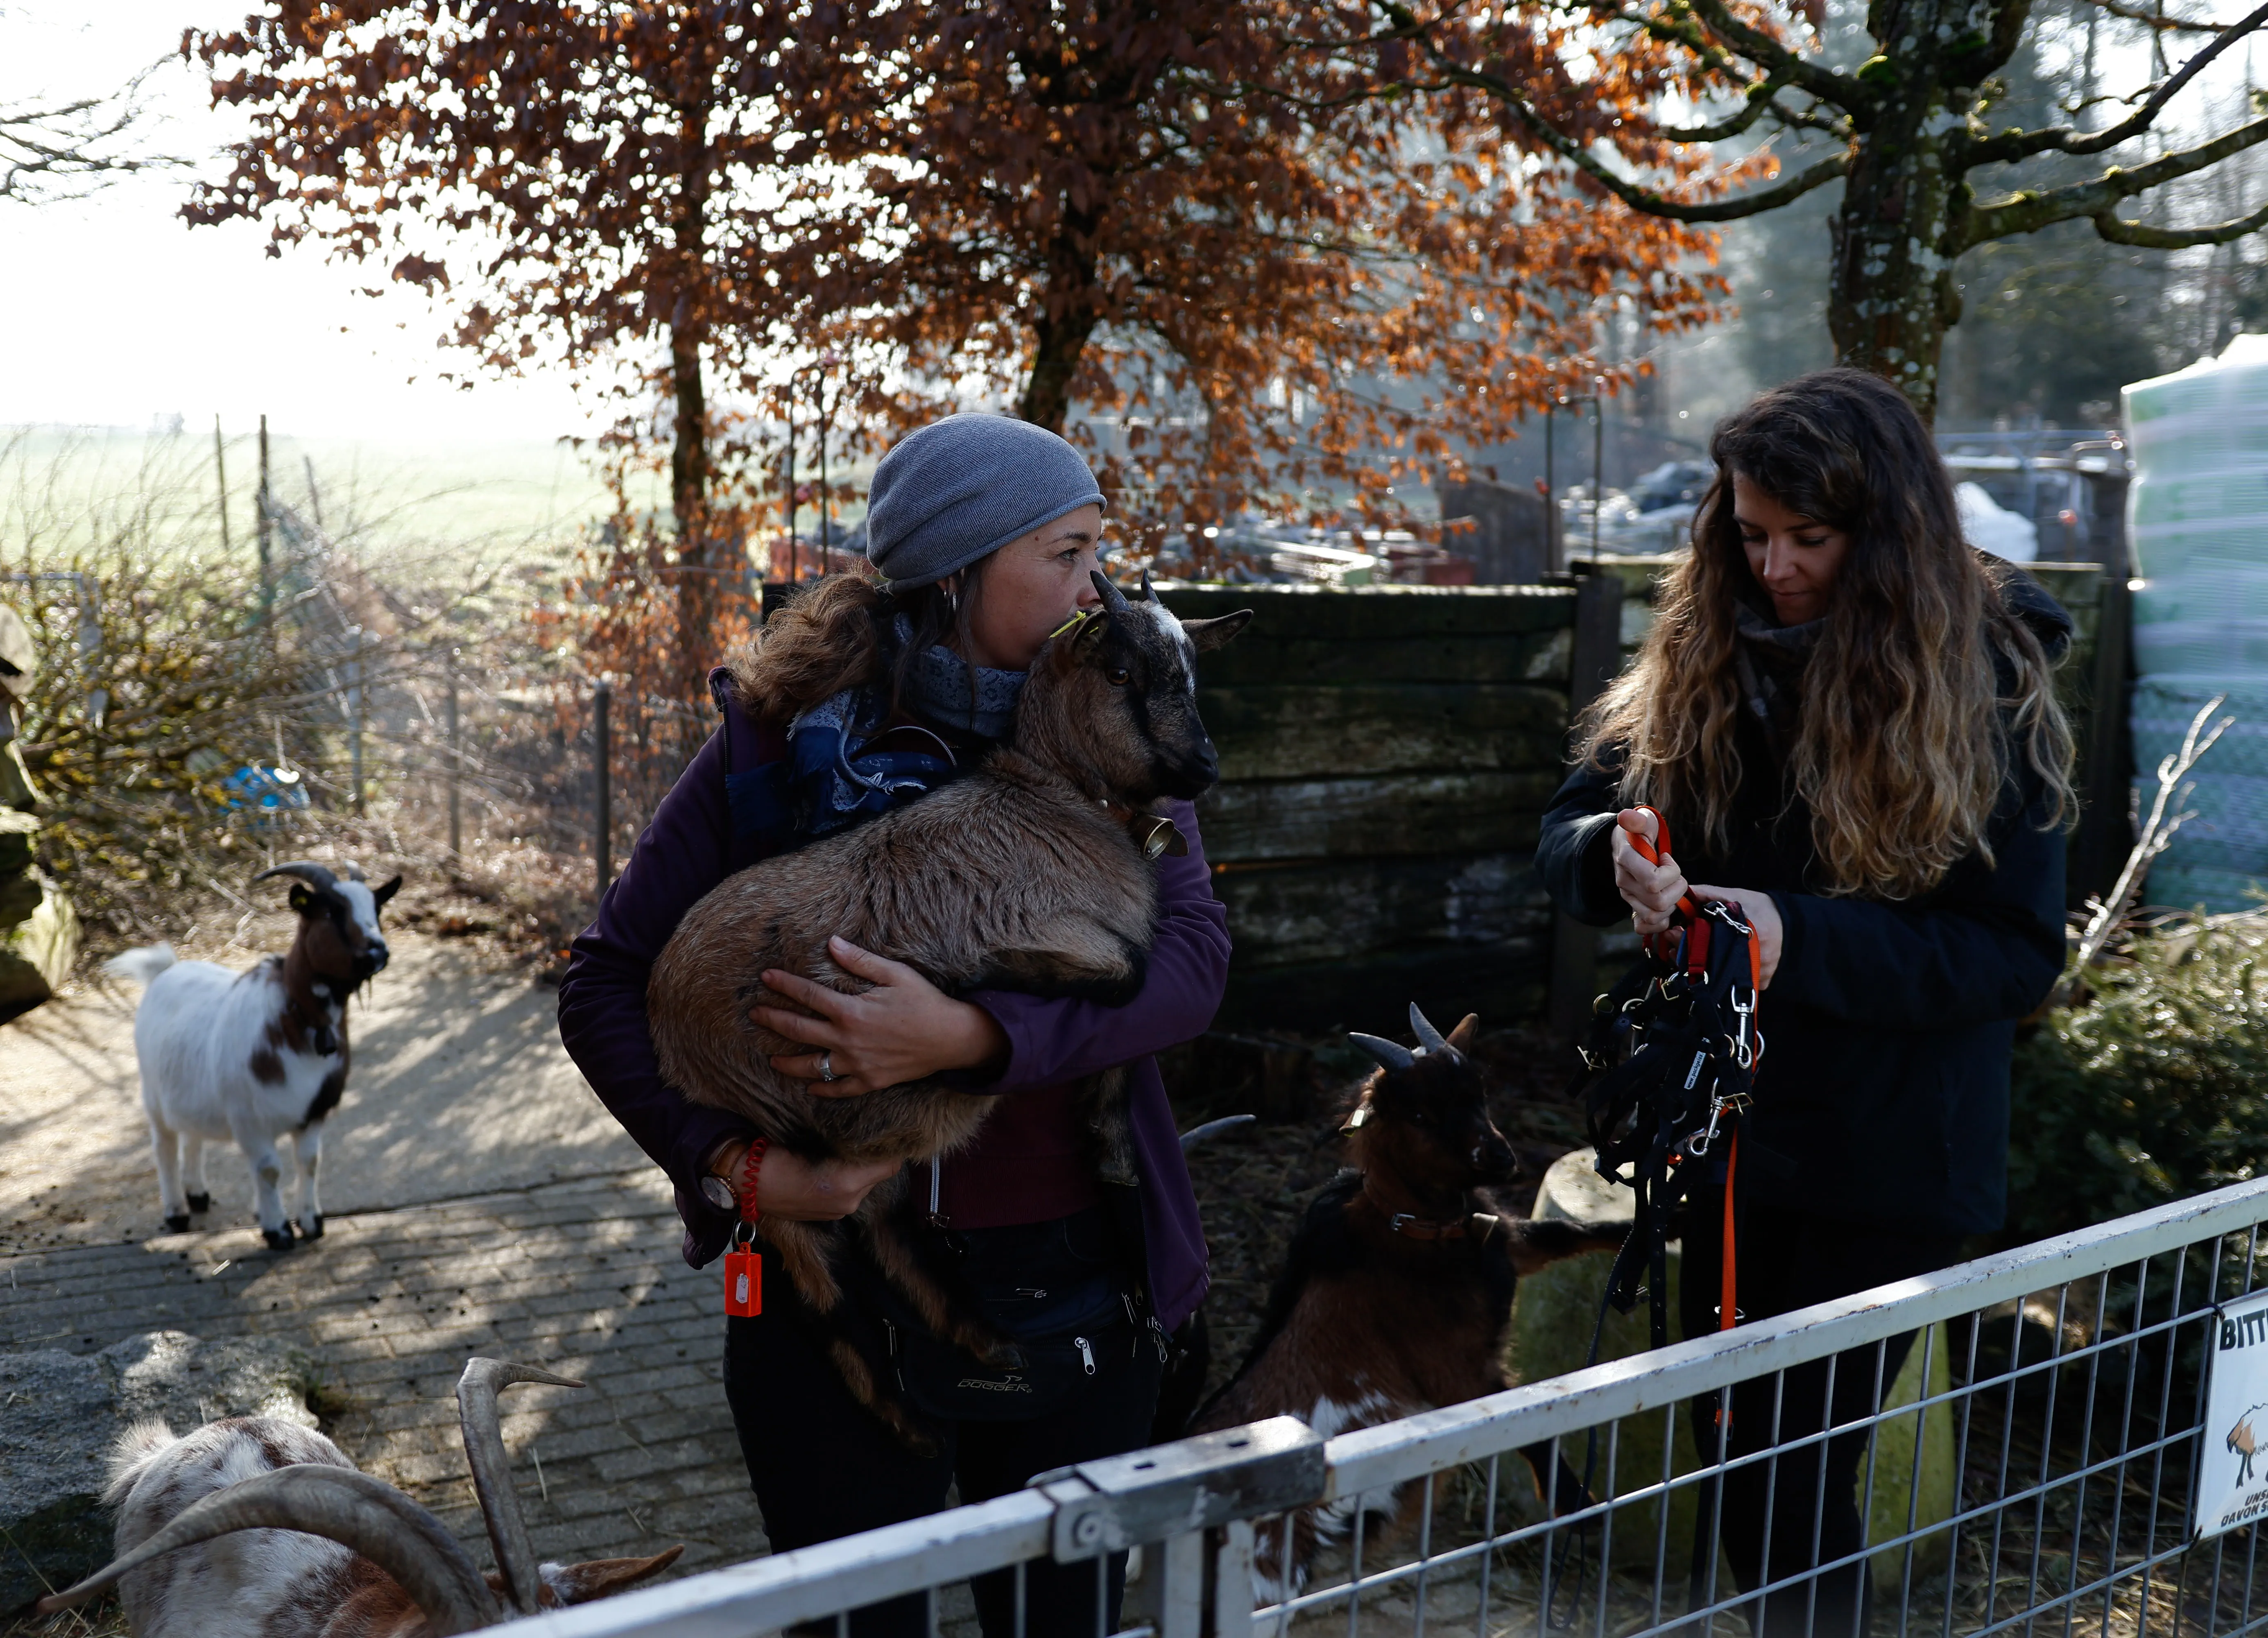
pixel 254 1525
pixel 1024 874
pixel 1396 1294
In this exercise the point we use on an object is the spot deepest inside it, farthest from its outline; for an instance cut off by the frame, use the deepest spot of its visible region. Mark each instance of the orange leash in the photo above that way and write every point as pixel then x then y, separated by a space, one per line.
pixel 1687 907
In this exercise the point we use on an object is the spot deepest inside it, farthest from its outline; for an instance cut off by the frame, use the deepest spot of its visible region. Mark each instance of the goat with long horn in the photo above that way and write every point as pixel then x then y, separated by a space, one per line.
pixel 360 1560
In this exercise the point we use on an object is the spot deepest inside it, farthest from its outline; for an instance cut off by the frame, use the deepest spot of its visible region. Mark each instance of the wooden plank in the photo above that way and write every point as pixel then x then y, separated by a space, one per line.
pixel 2106 759
pixel 1391 815
pixel 1258 658
pixel 1378 613
pixel 1289 731
pixel 1351 909
pixel 1503 982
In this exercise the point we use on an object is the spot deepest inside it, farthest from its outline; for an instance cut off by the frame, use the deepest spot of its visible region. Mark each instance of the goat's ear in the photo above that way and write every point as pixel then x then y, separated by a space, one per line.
pixel 1468 1026
pixel 1208 634
pixel 602 1578
pixel 386 892
pixel 304 898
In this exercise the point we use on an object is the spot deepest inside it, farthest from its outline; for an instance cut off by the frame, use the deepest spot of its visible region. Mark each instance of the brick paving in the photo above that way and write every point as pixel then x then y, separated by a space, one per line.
pixel 583 1278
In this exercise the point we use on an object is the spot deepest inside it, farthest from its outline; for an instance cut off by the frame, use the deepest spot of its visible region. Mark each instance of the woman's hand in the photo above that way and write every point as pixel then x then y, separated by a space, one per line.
pixel 1652 890
pixel 790 1187
pixel 1762 917
pixel 903 1029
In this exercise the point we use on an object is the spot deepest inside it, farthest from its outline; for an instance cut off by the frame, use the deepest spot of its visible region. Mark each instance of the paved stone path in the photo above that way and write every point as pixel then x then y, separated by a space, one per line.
pixel 581 1277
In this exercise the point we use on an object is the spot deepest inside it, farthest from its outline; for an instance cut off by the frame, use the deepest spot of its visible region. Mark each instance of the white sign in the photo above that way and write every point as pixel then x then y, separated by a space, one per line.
pixel 2232 1480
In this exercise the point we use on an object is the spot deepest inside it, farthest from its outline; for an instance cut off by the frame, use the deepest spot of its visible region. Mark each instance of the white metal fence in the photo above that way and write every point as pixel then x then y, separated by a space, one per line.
pixel 2032 1466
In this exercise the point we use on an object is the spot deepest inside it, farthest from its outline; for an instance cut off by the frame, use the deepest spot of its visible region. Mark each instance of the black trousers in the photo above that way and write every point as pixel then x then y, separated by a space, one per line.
pixel 823 1467
pixel 1770 1509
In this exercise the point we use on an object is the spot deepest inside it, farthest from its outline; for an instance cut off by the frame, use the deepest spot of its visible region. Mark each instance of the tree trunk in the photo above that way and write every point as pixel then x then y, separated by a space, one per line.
pixel 1068 319
pixel 689 454
pixel 1891 296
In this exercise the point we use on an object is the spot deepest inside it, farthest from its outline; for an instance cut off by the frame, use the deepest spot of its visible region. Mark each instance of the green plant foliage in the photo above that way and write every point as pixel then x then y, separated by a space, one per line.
pixel 2154 1088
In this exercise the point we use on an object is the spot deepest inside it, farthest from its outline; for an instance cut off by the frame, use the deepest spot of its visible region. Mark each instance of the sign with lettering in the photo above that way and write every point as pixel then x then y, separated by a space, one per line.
pixel 2232 1480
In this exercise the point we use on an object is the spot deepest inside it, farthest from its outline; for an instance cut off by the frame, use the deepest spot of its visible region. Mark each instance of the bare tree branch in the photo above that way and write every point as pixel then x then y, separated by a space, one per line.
pixel 2152 19
pixel 2118 232
pixel 2029 212
pixel 65 149
pixel 1635 194
pixel 2010 145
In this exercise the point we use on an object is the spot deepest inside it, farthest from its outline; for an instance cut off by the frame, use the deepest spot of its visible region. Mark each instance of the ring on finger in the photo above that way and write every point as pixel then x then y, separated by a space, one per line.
pixel 827 1067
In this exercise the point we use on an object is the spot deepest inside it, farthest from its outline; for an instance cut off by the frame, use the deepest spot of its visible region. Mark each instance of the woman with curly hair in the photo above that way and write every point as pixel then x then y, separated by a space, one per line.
pixel 1847 716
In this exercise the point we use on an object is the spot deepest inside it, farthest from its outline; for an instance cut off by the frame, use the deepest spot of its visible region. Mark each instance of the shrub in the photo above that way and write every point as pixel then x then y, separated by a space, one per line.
pixel 2153 1088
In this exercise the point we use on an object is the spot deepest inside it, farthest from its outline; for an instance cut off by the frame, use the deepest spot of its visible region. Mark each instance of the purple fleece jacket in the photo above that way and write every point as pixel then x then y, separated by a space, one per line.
pixel 691 847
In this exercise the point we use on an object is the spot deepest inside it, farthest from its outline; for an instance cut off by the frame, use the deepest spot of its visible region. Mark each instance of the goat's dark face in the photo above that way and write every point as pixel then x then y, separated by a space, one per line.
pixel 1124 678
pixel 1426 1123
pixel 339 929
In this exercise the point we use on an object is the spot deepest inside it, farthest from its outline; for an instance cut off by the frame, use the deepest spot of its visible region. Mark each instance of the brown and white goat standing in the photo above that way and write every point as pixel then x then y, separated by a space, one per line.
pixel 257 1055
pixel 1396 1294
pixel 257 1525
pixel 1030 873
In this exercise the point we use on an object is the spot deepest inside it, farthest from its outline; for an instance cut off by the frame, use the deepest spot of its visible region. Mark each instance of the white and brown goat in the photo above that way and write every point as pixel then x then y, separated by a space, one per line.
pixel 258 1525
pixel 1396 1294
pixel 1031 872
pixel 255 1056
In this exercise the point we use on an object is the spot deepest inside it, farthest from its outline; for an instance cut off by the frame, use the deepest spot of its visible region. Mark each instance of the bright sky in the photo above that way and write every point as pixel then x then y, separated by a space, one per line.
pixel 117 312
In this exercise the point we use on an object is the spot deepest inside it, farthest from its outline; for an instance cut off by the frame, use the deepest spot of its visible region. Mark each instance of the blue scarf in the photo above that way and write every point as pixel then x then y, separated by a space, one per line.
pixel 829 781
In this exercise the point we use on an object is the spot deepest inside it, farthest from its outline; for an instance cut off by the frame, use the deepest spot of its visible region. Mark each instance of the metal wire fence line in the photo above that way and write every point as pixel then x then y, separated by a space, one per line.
pixel 2032 1466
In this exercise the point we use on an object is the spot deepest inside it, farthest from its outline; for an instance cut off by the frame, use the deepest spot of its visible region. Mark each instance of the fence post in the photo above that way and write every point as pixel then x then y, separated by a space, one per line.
pixel 354 722
pixel 267 569
pixel 2106 829
pixel 1598 651
pixel 602 701
pixel 456 762
pixel 220 476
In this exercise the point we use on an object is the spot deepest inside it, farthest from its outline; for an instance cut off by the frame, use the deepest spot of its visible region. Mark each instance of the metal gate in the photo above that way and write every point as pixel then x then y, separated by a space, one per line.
pixel 2027 1461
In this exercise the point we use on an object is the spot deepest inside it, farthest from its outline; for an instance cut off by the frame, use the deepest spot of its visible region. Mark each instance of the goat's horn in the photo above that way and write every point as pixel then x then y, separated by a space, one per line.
pixel 354 872
pixel 1148 596
pixel 1198 1134
pixel 1428 1037
pixel 1391 1054
pixel 352 1509
pixel 1113 598
pixel 484 1454
pixel 306 871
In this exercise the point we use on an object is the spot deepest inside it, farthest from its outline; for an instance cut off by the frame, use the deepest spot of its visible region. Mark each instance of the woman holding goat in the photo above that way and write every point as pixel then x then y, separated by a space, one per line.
pixel 864 699
pixel 1847 715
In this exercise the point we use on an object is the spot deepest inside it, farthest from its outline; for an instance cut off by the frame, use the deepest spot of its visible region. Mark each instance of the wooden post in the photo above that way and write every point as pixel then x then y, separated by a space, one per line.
pixel 2106 831
pixel 602 701
pixel 1598 652
pixel 266 571
pixel 354 722
pixel 1598 469
pixel 456 762
pixel 1554 558
pixel 220 475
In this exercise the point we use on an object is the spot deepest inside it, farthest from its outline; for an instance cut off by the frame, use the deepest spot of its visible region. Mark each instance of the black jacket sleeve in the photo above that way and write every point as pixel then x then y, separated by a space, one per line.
pixel 1572 855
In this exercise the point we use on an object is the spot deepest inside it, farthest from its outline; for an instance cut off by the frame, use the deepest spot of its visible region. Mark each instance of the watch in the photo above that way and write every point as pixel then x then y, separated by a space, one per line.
pixel 719 1192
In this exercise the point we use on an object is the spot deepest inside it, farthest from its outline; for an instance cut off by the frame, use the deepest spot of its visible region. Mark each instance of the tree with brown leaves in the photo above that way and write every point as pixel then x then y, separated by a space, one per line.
pixel 1927 170
pixel 1172 222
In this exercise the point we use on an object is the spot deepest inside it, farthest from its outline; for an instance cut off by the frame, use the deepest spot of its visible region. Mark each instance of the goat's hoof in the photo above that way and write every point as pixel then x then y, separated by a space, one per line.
pixel 177 1223
pixel 199 1202
pixel 311 1227
pixel 278 1240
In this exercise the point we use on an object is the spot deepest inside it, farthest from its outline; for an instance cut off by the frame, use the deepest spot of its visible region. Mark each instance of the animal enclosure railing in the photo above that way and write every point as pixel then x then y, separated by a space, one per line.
pixel 2034 1469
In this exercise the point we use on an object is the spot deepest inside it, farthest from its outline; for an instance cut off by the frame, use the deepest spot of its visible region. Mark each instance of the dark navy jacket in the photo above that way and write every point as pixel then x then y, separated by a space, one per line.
pixel 1882 1096
pixel 693 844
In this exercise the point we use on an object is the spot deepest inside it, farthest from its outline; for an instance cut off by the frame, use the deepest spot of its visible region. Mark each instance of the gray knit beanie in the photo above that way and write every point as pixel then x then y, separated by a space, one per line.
pixel 962 487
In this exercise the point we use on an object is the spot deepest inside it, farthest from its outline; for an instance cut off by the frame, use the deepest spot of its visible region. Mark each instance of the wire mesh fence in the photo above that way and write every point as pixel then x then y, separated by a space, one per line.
pixel 2024 1439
